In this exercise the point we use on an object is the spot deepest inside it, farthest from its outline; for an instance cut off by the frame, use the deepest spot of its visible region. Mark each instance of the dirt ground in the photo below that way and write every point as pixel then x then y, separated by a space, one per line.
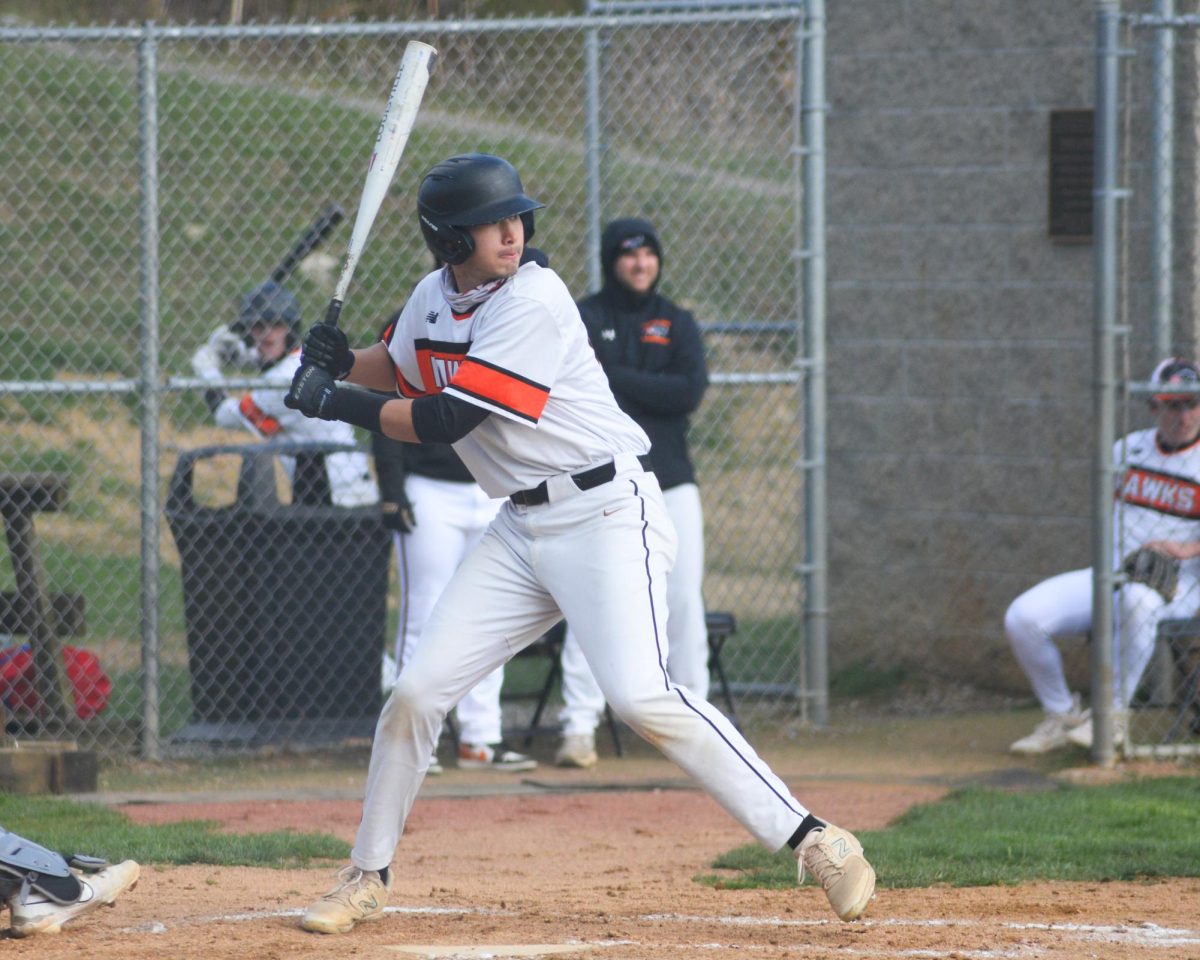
pixel 601 864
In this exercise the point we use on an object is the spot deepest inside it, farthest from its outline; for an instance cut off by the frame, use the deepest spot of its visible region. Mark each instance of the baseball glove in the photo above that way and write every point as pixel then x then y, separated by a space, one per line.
pixel 1155 569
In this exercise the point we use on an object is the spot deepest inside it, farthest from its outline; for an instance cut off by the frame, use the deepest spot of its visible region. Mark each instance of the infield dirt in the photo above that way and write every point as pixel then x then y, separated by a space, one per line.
pixel 601 864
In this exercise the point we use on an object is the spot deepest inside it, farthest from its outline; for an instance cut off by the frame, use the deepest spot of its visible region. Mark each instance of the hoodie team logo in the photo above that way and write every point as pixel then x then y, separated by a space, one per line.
pixel 657 331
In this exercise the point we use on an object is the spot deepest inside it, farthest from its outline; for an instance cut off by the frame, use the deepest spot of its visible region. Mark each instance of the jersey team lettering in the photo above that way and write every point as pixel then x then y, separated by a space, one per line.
pixel 1161 492
pixel 443 364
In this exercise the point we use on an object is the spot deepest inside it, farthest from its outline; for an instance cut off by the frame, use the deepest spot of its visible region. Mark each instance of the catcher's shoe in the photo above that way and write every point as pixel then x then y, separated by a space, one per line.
pixel 1082 734
pixel 577 750
pixel 40 914
pixel 493 756
pixel 359 895
pixel 1052 733
pixel 835 859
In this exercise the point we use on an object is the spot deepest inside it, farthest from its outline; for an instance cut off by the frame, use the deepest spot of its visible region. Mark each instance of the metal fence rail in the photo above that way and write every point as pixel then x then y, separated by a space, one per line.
pixel 155 173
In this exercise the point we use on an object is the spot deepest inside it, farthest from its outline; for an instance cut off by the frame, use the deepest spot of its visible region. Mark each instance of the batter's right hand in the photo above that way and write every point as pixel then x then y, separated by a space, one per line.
pixel 326 347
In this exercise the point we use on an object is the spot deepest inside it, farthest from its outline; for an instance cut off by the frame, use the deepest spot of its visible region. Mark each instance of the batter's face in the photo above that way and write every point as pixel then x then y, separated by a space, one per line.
pixel 497 253
pixel 637 270
pixel 270 341
pixel 1178 419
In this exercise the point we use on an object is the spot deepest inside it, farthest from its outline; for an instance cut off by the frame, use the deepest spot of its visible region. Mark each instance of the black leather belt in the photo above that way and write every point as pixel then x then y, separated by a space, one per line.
pixel 584 481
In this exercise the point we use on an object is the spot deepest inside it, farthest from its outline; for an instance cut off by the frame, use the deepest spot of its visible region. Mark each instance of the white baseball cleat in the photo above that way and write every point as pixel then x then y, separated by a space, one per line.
pixel 835 859
pixel 1082 734
pixel 359 895
pixel 1053 732
pixel 40 914
pixel 577 750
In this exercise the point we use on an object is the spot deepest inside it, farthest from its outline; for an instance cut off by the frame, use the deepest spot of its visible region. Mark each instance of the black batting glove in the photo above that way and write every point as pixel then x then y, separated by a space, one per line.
pixel 326 347
pixel 313 393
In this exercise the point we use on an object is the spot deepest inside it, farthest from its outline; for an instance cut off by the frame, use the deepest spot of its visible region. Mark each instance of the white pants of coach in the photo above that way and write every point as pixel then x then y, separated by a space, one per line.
pixel 600 559
pixel 1062 606
pixel 451 518
pixel 687 632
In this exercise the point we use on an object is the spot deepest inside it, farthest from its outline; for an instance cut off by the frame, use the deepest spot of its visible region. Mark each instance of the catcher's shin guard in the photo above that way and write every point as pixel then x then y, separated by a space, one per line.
pixel 33 866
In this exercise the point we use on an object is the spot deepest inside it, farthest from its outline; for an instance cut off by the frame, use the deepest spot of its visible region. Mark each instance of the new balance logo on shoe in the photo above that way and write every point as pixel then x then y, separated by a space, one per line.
pixel 835 859
pixel 359 895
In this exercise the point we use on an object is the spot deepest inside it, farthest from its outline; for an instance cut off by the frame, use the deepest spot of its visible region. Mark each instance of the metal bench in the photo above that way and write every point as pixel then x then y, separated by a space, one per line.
pixel 1182 638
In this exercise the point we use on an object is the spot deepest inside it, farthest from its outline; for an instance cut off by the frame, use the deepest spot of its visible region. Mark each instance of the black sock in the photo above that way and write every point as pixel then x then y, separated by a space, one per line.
pixel 383 875
pixel 808 823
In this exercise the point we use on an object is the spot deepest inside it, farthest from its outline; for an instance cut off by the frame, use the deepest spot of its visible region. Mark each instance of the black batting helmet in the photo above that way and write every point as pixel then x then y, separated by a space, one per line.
pixel 268 304
pixel 466 191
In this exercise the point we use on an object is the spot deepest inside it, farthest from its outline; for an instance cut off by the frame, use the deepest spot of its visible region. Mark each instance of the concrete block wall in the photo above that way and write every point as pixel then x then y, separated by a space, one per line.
pixel 959 333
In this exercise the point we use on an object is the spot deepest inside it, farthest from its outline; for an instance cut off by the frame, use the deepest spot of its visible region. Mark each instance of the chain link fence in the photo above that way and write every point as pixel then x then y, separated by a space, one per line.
pixel 174 578
pixel 1146 643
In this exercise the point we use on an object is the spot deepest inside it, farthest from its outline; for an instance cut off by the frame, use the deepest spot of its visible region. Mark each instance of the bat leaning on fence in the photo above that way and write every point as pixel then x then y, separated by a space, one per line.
pixel 330 217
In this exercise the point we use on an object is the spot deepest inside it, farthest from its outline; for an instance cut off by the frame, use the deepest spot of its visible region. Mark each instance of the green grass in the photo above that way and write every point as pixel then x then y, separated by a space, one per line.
pixel 89 828
pixel 977 837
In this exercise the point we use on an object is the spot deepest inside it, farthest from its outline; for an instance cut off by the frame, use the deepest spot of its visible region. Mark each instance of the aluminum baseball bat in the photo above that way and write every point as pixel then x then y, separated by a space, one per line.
pixel 398 118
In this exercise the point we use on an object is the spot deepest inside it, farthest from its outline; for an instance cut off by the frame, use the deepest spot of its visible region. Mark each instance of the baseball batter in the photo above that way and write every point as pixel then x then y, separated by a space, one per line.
pixel 1157 506
pixel 492 356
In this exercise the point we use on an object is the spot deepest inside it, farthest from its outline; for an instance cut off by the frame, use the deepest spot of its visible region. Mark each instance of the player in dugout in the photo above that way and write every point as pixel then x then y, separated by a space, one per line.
pixel 1157 547
pixel 652 352
pixel 491 355
pixel 264 339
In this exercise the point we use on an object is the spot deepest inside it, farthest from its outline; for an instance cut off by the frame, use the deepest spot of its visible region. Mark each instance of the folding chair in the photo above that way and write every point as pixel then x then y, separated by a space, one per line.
pixel 550 645
pixel 721 626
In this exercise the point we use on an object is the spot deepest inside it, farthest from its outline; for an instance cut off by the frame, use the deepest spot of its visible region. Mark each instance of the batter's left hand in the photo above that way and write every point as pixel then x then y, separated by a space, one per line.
pixel 313 392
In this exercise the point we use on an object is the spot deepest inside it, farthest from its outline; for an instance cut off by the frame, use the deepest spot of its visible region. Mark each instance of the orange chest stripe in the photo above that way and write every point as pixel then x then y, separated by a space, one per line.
pixel 265 424
pixel 501 388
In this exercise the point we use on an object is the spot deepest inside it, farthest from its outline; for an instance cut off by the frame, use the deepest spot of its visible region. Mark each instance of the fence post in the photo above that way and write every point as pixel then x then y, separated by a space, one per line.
pixel 1105 214
pixel 1162 184
pixel 816 539
pixel 149 384
pixel 593 146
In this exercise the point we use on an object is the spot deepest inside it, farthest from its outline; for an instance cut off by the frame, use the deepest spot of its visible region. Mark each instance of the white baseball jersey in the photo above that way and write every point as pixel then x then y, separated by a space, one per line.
pixel 263 412
pixel 523 355
pixel 1159 495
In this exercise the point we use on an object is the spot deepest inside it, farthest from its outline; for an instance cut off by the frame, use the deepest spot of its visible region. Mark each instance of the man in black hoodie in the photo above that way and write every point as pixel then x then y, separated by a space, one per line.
pixel 652 352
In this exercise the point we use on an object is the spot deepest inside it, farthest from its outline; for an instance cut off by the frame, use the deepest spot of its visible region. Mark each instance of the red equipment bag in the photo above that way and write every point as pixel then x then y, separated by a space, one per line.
pixel 89 682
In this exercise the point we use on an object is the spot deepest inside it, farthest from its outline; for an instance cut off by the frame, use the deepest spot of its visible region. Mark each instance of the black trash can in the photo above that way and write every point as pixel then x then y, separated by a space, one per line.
pixel 285 605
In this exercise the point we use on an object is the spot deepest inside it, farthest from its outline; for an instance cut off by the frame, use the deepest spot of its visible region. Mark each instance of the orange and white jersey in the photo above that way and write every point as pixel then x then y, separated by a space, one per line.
pixel 262 411
pixel 523 355
pixel 1158 496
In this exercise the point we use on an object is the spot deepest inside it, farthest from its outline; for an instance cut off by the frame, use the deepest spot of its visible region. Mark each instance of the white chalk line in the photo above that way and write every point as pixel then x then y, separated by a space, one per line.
pixel 1148 935
pixel 1144 934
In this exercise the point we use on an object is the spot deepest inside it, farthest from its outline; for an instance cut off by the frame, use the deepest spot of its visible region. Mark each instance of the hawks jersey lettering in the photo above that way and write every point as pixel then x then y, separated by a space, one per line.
pixel 523 355
pixel 1158 497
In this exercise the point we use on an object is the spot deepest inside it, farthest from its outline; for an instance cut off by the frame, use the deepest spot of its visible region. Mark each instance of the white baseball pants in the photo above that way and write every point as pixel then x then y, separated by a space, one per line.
pixel 600 559
pixel 451 518
pixel 1062 605
pixel 687 633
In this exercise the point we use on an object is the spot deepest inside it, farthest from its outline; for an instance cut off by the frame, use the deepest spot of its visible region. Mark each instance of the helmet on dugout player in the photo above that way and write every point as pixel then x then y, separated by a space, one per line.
pixel 466 191
pixel 268 304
